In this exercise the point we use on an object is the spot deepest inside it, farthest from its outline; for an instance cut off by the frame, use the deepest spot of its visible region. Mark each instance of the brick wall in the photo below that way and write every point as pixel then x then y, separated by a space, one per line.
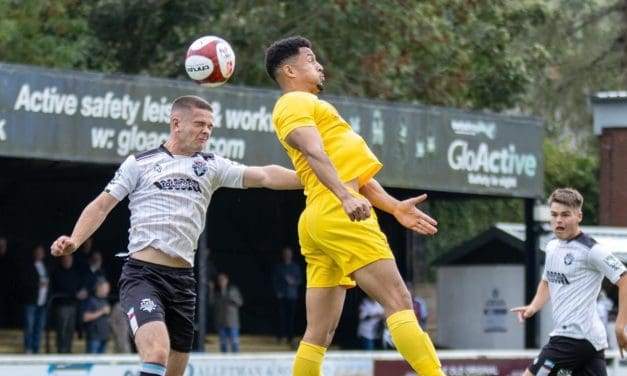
pixel 613 177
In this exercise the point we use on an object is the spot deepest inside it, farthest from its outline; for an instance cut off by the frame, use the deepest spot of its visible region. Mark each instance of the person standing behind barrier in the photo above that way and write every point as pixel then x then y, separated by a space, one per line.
pixel 34 290
pixel 169 190
pixel 370 328
pixel 66 287
pixel 120 331
pixel 7 264
pixel 96 315
pixel 90 273
pixel 338 230
pixel 286 280
pixel 573 273
pixel 227 300
pixel 420 306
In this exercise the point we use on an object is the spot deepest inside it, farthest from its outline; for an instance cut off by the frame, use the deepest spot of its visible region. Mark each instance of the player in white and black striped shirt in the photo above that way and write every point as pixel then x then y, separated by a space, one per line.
pixel 169 190
pixel 574 270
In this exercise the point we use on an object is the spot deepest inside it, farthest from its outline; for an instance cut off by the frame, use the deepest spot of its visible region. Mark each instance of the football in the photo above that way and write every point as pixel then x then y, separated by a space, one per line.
pixel 210 61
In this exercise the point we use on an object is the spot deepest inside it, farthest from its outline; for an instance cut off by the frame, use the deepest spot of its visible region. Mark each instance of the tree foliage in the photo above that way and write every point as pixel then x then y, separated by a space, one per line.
pixel 588 53
pixel 46 33
pixel 566 167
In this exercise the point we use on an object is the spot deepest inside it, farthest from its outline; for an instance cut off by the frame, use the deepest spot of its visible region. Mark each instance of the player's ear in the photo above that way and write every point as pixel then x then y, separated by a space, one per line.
pixel 287 70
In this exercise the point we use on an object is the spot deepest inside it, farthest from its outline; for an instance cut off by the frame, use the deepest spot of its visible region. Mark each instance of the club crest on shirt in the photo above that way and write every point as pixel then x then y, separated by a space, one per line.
pixel 568 259
pixel 147 305
pixel 200 167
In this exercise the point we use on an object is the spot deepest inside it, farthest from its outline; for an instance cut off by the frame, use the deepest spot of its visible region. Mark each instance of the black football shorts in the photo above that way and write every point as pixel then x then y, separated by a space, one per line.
pixel 152 292
pixel 569 356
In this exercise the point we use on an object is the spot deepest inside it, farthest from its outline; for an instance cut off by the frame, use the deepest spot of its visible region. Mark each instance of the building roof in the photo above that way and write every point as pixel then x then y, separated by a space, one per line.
pixel 504 243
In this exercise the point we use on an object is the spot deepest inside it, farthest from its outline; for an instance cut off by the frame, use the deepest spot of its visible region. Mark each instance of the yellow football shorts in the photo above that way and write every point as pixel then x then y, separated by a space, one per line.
pixel 333 246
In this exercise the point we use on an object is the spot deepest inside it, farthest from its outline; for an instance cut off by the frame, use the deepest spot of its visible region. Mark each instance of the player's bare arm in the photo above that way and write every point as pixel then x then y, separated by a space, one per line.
pixel 539 300
pixel 405 211
pixel 89 221
pixel 307 140
pixel 271 176
pixel 621 318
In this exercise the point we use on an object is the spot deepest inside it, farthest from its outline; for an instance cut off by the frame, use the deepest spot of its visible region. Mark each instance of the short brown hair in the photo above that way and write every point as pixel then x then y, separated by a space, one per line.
pixel 567 196
pixel 188 102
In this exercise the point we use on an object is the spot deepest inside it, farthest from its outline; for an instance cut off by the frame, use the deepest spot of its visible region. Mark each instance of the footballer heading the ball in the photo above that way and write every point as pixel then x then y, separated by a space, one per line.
pixel 210 61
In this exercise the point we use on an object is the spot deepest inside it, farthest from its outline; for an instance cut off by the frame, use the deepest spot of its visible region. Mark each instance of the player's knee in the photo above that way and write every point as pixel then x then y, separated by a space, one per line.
pixel 156 355
pixel 397 300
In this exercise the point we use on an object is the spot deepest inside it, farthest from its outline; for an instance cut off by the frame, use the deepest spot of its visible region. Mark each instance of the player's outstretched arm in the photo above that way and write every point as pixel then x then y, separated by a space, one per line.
pixel 271 176
pixel 89 221
pixel 539 300
pixel 405 211
pixel 621 318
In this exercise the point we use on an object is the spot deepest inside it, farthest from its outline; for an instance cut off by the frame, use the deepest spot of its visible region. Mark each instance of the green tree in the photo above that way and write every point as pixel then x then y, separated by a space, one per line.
pixel 46 33
pixel 566 167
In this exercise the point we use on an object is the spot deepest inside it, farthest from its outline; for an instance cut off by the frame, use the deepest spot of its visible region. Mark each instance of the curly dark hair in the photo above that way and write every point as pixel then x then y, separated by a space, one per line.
pixel 281 50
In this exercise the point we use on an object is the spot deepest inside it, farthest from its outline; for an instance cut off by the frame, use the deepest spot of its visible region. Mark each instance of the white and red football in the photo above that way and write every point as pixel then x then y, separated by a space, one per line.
pixel 210 61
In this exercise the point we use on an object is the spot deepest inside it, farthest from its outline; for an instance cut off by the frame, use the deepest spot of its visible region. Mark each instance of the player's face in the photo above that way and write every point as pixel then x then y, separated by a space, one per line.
pixel 310 70
pixel 565 221
pixel 194 130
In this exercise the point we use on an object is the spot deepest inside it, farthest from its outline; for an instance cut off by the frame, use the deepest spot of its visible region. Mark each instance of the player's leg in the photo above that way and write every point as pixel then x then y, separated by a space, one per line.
pixel 177 362
pixel 559 355
pixel 324 308
pixel 382 281
pixel 153 346
pixel 141 301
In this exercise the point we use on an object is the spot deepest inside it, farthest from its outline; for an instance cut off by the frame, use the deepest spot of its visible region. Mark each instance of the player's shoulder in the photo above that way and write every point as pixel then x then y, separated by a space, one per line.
pixel 299 97
pixel 150 154
pixel 207 156
pixel 584 241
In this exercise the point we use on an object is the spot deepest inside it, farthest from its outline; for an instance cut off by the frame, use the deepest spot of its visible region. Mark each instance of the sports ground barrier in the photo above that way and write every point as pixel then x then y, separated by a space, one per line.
pixel 337 363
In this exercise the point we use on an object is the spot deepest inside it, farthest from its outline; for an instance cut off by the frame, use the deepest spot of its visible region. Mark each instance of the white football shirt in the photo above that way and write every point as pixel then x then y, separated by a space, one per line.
pixel 169 196
pixel 574 270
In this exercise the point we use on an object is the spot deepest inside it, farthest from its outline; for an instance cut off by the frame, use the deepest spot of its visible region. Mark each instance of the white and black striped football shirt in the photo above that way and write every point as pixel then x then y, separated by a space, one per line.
pixel 169 196
pixel 574 270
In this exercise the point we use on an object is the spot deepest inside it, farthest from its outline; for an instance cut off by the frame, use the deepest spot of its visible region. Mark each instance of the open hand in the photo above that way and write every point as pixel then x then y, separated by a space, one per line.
pixel 408 215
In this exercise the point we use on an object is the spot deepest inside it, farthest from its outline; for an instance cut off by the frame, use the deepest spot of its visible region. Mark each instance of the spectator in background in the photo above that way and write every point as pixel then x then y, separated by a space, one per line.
pixel 286 280
pixel 212 273
pixel 227 300
pixel 81 256
pixel 90 273
pixel 5 282
pixel 420 306
pixel 96 317
pixel 371 316
pixel 34 281
pixel 93 272
pixel 604 306
pixel 66 287
pixel 120 331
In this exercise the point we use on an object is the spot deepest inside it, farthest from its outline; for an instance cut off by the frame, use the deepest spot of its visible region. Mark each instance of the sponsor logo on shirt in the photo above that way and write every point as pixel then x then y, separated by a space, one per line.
pixel 612 262
pixel 178 185
pixel 556 277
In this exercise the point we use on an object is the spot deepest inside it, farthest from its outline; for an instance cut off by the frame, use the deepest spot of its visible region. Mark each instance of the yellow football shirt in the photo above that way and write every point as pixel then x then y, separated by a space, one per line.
pixel 347 150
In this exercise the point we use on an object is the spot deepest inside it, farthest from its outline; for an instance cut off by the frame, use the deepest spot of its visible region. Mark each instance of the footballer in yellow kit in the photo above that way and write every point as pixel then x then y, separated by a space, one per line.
pixel 332 244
